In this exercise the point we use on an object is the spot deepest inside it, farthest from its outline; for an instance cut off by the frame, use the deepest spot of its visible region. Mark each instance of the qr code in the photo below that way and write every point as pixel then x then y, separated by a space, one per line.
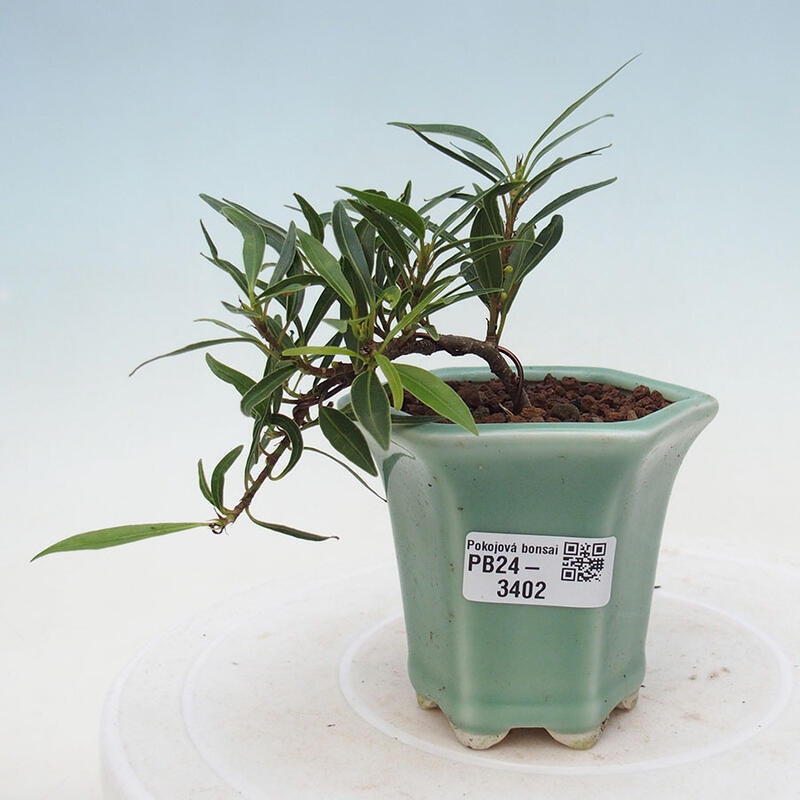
pixel 583 563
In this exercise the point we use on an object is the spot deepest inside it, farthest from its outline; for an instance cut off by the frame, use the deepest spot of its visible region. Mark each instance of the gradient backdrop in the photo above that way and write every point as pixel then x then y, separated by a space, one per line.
pixel 115 115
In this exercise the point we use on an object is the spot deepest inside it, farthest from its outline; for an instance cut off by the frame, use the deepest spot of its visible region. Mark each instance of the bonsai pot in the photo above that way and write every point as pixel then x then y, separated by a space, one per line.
pixel 527 558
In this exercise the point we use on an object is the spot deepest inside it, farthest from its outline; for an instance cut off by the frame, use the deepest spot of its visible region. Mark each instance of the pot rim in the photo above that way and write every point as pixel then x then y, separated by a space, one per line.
pixel 686 405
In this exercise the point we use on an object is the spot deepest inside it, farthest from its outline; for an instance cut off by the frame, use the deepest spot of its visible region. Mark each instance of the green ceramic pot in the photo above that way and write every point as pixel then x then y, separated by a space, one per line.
pixel 555 639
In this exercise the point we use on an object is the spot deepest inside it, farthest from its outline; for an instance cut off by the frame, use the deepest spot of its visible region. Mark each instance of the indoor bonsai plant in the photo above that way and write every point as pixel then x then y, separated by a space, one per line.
pixel 333 318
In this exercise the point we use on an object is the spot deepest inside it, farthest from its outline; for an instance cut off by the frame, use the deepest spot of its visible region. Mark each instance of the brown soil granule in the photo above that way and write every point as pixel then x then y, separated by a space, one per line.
pixel 552 400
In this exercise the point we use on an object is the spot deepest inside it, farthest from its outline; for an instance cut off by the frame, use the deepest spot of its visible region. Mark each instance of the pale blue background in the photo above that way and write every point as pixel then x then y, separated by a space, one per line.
pixel 116 115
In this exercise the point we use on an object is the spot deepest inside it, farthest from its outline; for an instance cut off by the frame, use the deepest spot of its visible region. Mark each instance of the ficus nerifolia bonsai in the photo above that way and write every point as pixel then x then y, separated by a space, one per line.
pixel 333 301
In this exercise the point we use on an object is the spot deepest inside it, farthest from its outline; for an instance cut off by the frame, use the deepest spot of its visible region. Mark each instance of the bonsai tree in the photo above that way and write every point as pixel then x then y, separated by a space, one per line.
pixel 333 301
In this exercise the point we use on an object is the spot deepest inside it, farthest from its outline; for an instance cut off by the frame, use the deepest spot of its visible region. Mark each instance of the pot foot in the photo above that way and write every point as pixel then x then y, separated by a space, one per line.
pixel 579 741
pixel 426 703
pixel 628 703
pixel 478 741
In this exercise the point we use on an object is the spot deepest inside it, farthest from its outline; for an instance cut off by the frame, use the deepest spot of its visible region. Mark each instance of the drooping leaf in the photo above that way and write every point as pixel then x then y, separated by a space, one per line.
pixel 189 348
pixel 288 530
pixel 218 475
pixel 436 394
pixel 327 266
pixel 371 407
pixel 345 437
pixel 263 389
pixel 349 469
pixel 459 132
pixel 482 163
pixel 122 534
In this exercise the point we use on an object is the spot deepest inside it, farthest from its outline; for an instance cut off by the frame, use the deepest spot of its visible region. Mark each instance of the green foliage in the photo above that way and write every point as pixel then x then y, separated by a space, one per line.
pixel 326 314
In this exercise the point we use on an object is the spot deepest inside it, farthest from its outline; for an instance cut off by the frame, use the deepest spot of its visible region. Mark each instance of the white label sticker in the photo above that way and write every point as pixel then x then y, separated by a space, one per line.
pixel 527 569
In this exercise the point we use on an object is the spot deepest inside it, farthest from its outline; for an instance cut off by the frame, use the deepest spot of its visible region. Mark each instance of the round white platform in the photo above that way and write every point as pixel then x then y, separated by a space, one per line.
pixel 304 694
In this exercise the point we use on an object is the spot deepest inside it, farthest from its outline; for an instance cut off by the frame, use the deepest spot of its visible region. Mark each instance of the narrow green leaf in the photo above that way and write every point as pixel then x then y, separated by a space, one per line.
pixel 327 266
pixel 437 395
pixel 350 470
pixel 434 201
pixel 288 530
pixel 253 245
pixel 488 265
pixel 189 348
pixel 483 163
pixel 547 239
pixel 234 272
pixel 392 378
pixel 111 537
pixel 545 150
pixel 340 325
pixel 326 299
pixel 241 382
pixel 286 255
pixel 391 296
pixel 345 437
pixel 218 476
pixel 402 212
pixel 205 489
pixel 460 132
pixel 295 439
pixel 243 334
pixel 350 247
pixel 446 150
pixel 570 109
pixel 321 350
pixel 568 197
pixel 209 241
pixel 388 231
pixel 539 180
pixel 371 407
pixel 420 309
pixel 315 223
pixel 289 286
pixel 274 234
pixel 217 205
pixel 264 389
